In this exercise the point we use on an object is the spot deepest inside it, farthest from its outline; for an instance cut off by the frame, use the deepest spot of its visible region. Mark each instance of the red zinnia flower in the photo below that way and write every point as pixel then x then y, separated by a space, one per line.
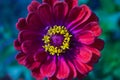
pixel 58 40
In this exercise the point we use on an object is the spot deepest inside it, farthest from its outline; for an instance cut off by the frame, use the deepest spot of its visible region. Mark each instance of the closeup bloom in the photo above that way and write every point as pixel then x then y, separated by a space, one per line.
pixel 58 40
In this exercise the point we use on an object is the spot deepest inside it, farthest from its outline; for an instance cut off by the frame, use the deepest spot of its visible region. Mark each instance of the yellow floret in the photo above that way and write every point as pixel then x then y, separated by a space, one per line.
pixel 53 49
pixel 46 39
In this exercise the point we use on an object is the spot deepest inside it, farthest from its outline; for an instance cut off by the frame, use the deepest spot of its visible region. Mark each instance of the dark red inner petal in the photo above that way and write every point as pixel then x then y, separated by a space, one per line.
pixel 60 10
pixel 40 56
pixel 36 73
pixel 34 23
pixel 30 46
pixel 29 35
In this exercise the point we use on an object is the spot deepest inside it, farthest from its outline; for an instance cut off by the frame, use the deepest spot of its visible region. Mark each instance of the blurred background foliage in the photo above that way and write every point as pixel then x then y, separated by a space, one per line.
pixel 108 12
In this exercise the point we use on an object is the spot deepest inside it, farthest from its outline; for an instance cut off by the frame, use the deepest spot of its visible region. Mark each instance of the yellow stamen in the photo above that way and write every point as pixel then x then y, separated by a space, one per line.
pixel 46 39
pixel 53 49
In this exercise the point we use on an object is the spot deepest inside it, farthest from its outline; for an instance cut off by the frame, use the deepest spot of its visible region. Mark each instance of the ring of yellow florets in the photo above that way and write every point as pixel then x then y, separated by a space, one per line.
pixel 65 44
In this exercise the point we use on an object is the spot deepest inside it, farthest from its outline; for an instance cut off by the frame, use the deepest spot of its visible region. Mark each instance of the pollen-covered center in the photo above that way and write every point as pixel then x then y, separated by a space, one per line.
pixel 57 39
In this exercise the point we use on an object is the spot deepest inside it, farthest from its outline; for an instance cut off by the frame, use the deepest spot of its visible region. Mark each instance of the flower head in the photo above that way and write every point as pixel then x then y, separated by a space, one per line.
pixel 58 39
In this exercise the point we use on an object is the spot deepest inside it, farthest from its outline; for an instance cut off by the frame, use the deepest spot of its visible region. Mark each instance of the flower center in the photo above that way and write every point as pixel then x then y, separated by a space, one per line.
pixel 57 39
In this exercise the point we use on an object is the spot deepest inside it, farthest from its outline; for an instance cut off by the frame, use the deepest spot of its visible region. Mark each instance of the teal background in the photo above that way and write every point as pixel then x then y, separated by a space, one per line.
pixel 108 12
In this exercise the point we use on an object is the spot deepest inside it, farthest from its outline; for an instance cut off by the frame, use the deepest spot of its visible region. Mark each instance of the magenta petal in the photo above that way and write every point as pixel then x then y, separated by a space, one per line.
pixel 45 14
pixel 98 43
pixel 50 2
pixel 73 72
pixel 33 6
pixel 63 69
pixel 21 58
pixel 21 24
pixel 94 27
pixel 17 45
pixel 71 3
pixel 85 55
pixel 86 37
pixel 49 67
pixel 60 11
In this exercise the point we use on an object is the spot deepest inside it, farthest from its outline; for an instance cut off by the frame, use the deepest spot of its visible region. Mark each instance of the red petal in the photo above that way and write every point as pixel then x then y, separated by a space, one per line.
pixel 85 55
pixel 50 2
pixel 95 51
pixel 89 68
pixel 63 69
pixel 77 28
pixel 71 3
pixel 30 63
pixel 77 16
pixel 94 27
pixel 17 45
pixel 49 67
pixel 99 44
pixel 86 37
pixel 28 35
pixel 30 46
pixel 60 11
pixel 33 6
pixel 73 72
pixel 34 22
pixel 80 76
pixel 21 58
pixel 35 65
pixel 80 66
pixel 45 14
pixel 36 73
pixel 53 78
pixel 40 56
pixel 21 24
pixel 96 55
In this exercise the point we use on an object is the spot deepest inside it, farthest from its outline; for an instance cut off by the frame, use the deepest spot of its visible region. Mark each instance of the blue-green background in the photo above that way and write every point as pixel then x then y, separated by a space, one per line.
pixel 108 12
